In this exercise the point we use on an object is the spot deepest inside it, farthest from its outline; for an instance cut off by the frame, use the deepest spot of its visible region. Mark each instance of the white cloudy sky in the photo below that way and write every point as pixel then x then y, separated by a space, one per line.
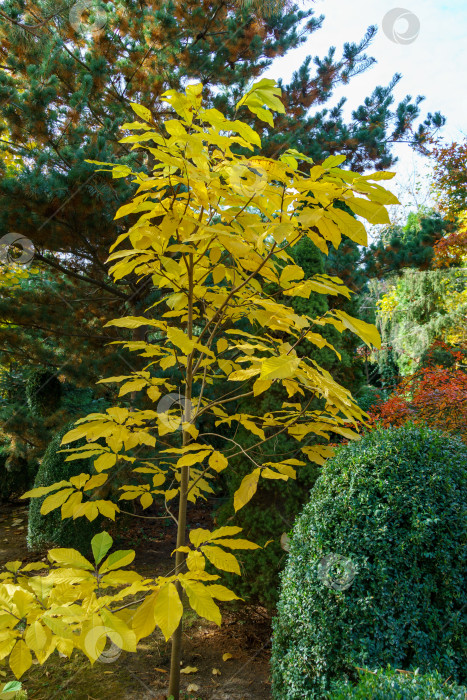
pixel 433 65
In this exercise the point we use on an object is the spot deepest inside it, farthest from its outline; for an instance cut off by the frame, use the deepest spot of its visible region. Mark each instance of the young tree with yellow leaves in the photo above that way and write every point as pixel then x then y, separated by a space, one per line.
pixel 215 228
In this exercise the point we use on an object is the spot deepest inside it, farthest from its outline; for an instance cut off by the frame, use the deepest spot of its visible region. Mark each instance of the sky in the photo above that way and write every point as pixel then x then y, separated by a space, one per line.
pixel 427 44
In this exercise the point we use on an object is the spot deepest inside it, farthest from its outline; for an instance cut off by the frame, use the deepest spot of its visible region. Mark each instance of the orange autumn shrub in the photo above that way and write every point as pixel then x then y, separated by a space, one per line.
pixel 435 395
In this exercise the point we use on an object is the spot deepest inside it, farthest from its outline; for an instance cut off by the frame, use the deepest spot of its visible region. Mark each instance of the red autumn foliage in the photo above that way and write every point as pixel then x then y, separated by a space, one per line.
pixel 434 395
pixel 452 249
pixel 450 177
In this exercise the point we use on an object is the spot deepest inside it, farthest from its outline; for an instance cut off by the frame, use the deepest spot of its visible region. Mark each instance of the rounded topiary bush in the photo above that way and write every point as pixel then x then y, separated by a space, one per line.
pixel 376 573
pixel 394 685
pixel 50 530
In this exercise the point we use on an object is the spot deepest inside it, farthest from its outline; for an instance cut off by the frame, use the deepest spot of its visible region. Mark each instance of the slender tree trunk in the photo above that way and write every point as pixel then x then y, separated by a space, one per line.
pixel 174 685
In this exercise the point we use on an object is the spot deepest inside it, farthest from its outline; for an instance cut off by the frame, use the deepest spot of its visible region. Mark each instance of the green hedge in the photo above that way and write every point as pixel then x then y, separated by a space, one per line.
pixel 393 685
pixel 377 567
pixel 50 530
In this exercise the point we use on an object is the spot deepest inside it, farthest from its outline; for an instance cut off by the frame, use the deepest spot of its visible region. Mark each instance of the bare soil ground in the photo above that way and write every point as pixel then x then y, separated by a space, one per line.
pixel 245 634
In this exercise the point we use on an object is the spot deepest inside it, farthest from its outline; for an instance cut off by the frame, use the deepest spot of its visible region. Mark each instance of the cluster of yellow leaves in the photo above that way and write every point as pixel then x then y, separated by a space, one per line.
pixel 387 304
pixel 69 603
pixel 213 228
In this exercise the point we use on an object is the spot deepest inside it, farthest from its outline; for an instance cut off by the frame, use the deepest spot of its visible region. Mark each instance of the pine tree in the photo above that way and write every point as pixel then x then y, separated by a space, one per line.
pixel 412 245
pixel 65 93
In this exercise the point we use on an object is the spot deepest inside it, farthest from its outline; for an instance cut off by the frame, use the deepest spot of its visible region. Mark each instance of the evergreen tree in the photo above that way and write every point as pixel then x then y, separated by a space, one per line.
pixel 65 92
pixel 412 245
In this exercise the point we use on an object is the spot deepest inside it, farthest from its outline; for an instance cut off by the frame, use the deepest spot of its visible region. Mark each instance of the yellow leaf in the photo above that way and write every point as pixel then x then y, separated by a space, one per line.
pixel 168 610
pixel 221 592
pixel 181 340
pixel 261 385
pixel 20 659
pixel 188 669
pixel 221 560
pixel 226 656
pixel 291 272
pixel 216 672
pixel 218 462
pixel 143 621
pixel 195 561
pixel 192 688
pixel 270 474
pixel 146 500
pixel 6 646
pixel 198 536
pixel 22 600
pixel 236 544
pixel 105 461
pixel 43 490
pixel 117 630
pixel 75 434
pixel 95 481
pixel 141 111
pixel 117 560
pixel 35 636
pixel 55 500
pixel 79 481
pixel 225 531
pixel 318 453
pixel 201 601
pixel 189 459
pixel 70 557
pixel 153 392
pixel 107 508
pixel 247 489
pixel 366 331
pixel 371 211
pixel 279 367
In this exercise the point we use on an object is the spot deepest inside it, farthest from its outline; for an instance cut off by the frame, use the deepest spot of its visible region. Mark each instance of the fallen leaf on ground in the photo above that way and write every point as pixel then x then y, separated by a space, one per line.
pixel 226 656
pixel 189 669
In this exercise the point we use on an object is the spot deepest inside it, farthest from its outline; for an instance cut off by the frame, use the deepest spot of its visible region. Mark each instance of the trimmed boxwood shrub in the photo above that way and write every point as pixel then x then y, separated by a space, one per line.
pixel 50 530
pixel 393 685
pixel 377 568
